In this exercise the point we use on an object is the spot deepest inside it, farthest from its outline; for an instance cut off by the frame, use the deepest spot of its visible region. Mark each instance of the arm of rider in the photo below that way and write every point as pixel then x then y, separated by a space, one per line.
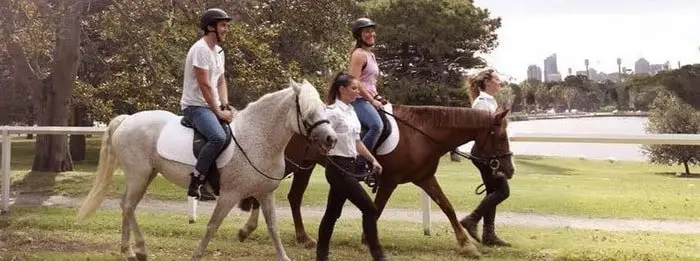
pixel 202 76
pixel 357 60
pixel 364 152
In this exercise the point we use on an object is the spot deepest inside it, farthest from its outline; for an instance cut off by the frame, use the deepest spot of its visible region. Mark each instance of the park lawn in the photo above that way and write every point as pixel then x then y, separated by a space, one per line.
pixel 52 233
pixel 545 185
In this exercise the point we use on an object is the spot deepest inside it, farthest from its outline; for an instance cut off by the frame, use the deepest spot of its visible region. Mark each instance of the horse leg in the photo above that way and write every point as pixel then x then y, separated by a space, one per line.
pixel 295 196
pixel 224 205
pixel 267 203
pixel 250 225
pixel 432 188
pixel 383 194
pixel 134 190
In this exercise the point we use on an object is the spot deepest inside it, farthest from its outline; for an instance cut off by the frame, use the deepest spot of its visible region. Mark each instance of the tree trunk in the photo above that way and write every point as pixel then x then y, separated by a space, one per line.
pixel 52 153
pixel 77 142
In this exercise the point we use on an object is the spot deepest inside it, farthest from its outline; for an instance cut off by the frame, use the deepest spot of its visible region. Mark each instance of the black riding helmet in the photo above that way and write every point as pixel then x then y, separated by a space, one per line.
pixel 211 17
pixel 359 24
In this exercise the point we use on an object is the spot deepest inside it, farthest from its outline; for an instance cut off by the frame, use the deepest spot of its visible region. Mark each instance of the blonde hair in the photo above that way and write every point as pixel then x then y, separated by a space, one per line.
pixel 476 83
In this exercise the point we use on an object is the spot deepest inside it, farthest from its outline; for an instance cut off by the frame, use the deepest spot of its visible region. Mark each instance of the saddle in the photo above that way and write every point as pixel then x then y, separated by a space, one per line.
pixel 386 131
pixel 213 176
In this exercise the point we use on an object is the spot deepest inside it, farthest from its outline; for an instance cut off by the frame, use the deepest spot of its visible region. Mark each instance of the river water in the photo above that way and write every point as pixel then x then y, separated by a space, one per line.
pixel 593 125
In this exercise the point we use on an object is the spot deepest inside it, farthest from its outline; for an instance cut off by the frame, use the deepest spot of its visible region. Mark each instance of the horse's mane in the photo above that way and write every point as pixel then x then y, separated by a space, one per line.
pixel 445 117
pixel 309 99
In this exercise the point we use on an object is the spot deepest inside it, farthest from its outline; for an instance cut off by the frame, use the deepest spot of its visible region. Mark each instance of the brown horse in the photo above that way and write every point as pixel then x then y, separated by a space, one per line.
pixel 426 133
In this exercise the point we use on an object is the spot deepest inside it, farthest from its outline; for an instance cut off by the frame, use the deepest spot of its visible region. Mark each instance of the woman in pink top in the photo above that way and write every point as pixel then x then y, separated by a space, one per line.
pixel 363 66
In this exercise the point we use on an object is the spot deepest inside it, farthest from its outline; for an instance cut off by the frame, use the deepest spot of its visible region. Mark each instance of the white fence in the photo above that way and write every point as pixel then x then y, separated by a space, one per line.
pixel 671 139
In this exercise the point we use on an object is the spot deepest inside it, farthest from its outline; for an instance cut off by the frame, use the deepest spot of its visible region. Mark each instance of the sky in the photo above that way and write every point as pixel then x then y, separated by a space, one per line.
pixel 598 30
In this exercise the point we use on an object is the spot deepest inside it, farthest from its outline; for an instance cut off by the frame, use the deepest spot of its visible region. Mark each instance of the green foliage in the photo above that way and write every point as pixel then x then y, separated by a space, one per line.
pixel 685 83
pixel 669 114
pixel 430 42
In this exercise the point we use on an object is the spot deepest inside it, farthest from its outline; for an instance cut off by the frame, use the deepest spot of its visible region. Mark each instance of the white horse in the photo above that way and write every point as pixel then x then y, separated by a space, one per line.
pixel 262 129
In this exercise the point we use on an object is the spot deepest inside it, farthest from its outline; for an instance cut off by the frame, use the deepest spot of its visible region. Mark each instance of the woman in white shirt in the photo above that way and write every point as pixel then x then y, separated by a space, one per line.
pixel 482 89
pixel 343 186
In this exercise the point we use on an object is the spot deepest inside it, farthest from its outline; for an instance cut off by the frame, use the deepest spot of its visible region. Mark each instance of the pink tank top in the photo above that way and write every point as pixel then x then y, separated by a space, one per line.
pixel 369 74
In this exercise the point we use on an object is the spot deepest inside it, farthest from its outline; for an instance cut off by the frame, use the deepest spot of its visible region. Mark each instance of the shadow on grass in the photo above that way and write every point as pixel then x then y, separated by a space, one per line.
pixel 678 175
pixel 544 169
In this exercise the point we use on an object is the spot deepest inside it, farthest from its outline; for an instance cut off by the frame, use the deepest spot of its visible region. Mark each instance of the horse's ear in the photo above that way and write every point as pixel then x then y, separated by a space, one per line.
pixel 501 114
pixel 292 82
pixel 295 85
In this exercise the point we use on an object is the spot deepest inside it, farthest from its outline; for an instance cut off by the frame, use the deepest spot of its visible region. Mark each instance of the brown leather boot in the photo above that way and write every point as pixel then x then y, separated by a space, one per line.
pixel 470 223
pixel 490 238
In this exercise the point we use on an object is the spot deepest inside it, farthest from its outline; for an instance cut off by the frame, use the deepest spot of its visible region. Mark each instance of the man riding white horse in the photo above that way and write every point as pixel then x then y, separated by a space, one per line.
pixel 205 105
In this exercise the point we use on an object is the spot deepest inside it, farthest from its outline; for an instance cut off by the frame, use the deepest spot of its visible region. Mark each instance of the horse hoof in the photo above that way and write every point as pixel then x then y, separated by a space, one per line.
pixel 306 242
pixel 470 251
pixel 131 258
pixel 141 257
pixel 242 235
pixel 191 221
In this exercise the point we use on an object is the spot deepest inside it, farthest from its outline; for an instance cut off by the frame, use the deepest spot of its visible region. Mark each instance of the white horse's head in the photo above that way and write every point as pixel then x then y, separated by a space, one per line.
pixel 309 116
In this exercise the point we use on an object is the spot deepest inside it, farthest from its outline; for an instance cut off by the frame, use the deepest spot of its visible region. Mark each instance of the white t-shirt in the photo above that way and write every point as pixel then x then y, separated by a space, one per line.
pixel 202 56
pixel 345 123
pixel 485 102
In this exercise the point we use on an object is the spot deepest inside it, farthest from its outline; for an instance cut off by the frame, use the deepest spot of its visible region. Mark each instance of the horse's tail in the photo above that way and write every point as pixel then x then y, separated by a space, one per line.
pixel 105 171
pixel 248 203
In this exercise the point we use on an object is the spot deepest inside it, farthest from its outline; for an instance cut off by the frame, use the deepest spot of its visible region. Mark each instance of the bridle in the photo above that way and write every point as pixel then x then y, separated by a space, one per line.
pixel 493 161
pixel 300 121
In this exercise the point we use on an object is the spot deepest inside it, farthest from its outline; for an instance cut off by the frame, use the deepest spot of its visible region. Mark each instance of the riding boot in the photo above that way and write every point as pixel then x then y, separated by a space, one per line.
pixel 378 255
pixel 470 223
pixel 198 190
pixel 489 236
pixel 322 255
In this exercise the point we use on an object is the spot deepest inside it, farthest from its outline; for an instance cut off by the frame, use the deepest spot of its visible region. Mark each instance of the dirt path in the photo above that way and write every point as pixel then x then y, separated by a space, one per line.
pixel 409 215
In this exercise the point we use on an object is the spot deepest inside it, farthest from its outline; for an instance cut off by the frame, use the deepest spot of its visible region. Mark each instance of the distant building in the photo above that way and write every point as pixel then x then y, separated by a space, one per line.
pixel 553 77
pixel 550 69
pixel 534 72
pixel 642 66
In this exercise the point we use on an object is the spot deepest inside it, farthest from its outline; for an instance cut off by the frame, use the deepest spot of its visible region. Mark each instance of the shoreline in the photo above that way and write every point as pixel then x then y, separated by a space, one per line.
pixel 530 117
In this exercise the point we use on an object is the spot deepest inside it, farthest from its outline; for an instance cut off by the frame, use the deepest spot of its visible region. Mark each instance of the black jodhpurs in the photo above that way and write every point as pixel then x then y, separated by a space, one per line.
pixel 497 191
pixel 342 188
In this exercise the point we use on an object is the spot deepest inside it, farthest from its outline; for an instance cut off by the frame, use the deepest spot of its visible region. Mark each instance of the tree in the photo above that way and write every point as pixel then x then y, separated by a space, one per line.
pixel 506 96
pixel 669 114
pixel 685 83
pixel 50 92
pixel 423 45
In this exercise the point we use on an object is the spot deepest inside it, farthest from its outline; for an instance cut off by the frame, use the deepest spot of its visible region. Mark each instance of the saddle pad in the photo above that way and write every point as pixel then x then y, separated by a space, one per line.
pixel 393 139
pixel 175 143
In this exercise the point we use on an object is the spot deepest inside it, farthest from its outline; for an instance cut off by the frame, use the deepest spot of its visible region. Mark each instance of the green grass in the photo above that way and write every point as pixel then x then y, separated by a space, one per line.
pixel 563 186
pixel 47 233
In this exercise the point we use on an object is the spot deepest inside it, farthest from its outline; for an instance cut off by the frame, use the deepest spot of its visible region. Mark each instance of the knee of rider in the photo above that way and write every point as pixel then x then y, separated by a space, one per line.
pixel 377 126
pixel 218 139
pixel 370 211
pixel 504 191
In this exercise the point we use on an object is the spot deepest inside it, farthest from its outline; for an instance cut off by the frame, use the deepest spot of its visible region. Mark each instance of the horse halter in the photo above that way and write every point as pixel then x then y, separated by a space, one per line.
pixel 307 127
pixel 494 161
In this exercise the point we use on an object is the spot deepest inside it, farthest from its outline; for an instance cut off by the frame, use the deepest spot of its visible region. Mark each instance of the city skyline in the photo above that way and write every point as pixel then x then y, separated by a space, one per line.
pixel 640 66
pixel 600 31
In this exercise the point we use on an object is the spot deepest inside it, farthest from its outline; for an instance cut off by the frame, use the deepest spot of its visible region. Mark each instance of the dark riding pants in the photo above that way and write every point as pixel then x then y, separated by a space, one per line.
pixel 497 191
pixel 342 188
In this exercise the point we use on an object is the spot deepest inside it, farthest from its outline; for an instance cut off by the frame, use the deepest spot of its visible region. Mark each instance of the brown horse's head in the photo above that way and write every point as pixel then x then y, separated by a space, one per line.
pixel 492 145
